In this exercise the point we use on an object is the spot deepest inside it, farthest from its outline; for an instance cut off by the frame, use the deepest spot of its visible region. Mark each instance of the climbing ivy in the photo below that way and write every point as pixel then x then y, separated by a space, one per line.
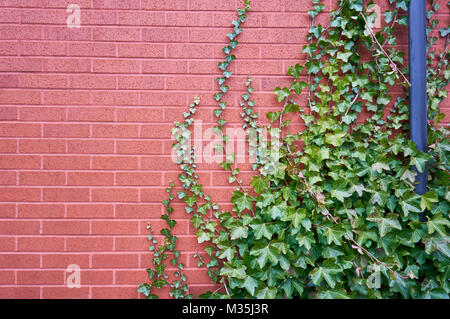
pixel 332 210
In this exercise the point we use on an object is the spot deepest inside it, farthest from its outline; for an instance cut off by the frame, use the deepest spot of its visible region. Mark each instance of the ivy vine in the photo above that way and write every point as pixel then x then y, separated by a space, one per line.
pixel 331 211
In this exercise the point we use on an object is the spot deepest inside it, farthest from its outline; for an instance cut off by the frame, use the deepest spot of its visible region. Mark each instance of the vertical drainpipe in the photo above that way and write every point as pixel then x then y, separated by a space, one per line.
pixel 418 89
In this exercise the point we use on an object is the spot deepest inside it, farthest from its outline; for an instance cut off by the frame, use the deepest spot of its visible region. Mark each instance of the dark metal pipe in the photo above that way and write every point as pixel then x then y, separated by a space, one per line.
pixel 418 79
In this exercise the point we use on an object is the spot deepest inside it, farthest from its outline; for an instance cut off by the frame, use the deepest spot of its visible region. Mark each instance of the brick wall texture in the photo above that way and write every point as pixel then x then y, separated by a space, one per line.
pixel 85 120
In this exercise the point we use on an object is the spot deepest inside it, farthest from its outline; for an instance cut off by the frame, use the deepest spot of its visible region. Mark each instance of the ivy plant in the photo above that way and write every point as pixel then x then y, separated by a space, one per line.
pixel 331 211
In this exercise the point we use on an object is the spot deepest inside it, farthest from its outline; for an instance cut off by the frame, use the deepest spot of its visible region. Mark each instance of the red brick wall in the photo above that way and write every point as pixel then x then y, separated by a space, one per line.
pixel 85 122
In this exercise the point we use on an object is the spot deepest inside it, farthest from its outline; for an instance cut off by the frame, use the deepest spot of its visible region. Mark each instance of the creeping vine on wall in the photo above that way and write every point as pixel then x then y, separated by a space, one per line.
pixel 332 211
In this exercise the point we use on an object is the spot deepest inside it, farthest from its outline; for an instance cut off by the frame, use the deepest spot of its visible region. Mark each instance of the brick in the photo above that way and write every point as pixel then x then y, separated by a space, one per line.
pixel 197 276
pixel 281 51
pixel 115 227
pixel 140 114
pixel 116 4
pixel 116 66
pixel 20 130
pixel 138 179
pixel 90 211
pixel 40 211
pixel 42 146
pixel 155 131
pixel 191 51
pixel 164 66
pixel 192 83
pixel 20 97
pixel 89 243
pixel 280 20
pixel 15 227
pixel 115 260
pixel 116 34
pixel 66 130
pixel 122 292
pixel 20 161
pixel 153 194
pixel 223 19
pixel 8 146
pixel 269 5
pixel 213 35
pixel 8 113
pixel 66 97
pixel 72 227
pixel 40 244
pixel 7 244
pixel 97 277
pixel 91 114
pixel 66 162
pixel 99 17
pixel 42 48
pixel 64 260
pixel 7 277
pixel 65 293
pixel 137 210
pixel 64 3
pixel 43 81
pixel 141 83
pixel 20 32
pixel 66 34
pixel 21 64
pixel 141 50
pixel 67 65
pixel 90 178
pixel 19 260
pixel 164 4
pixel 163 99
pixel 139 147
pixel 132 243
pixel 115 195
pixel 40 277
pixel 92 82
pixel 7 178
pixel 9 80
pixel 212 5
pixel 141 18
pixel 158 163
pixel 46 114
pixel 165 35
pixel 189 19
pixel 7 210
pixel 22 292
pixel 260 67
pixel 42 178
pixel 9 48
pixel 115 162
pixel 66 194
pixel 90 146
pixel 20 194
pixel 10 15
pixel 39 16
pixel 116 98
pixel 92 49
pixel 115 130
pixel 130 277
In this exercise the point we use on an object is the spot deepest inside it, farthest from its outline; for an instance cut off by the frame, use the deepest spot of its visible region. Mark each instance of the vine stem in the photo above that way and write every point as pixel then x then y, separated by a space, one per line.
pixel 374 38
pixel 353 102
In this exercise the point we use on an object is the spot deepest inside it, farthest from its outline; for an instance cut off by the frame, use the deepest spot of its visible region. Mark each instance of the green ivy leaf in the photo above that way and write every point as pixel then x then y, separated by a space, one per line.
pixel 327 271
pixel 241 201
pixel 385 224
pixel 281 93
pixel 259 183
pixel 438 224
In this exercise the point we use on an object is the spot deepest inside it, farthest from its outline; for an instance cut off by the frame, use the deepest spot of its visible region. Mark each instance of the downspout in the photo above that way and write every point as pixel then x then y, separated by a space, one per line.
pixel 418 89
